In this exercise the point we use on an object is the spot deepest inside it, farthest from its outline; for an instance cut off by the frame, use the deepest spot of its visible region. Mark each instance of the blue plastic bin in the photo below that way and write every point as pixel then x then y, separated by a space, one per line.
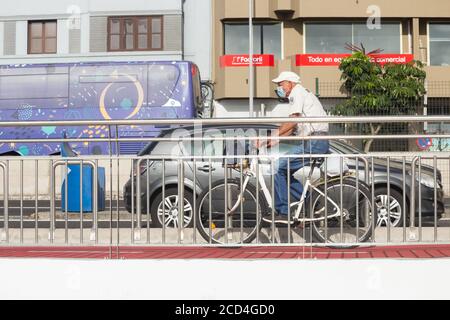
pixel 73 189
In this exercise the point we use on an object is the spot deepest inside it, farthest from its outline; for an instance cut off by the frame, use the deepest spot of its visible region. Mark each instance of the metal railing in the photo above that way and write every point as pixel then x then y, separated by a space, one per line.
pixel 4 167
pixel 187 198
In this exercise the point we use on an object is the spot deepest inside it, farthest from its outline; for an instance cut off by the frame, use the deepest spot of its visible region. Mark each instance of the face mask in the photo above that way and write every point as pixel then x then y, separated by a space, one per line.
pixel 281 93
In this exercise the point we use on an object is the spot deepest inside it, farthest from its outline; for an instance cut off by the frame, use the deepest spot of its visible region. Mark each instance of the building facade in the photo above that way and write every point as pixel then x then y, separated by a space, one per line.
pixel 290 31
pixel 50 31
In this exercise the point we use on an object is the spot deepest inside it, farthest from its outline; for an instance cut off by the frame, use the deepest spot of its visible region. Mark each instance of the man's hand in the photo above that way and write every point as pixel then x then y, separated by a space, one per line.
pixel 269 142
pixel 285 130
pixel 261 143
pixel 273 142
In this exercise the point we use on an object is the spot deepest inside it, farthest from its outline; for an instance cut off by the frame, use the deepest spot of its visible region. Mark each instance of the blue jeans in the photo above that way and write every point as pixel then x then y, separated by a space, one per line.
pixel 295 164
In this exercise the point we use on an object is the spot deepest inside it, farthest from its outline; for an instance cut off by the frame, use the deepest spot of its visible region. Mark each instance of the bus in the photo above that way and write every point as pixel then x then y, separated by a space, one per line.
pixel 94 91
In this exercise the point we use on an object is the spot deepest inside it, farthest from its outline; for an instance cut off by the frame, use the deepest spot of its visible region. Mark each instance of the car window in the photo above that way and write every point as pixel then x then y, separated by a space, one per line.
pixel 214 145
pixel 344 148
pixel 285 147
pixel 213 148
pixel 208 148
pixel 166 148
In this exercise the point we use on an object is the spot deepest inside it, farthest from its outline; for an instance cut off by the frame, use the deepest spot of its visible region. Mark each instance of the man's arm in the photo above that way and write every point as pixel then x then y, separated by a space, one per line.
pixel 286 130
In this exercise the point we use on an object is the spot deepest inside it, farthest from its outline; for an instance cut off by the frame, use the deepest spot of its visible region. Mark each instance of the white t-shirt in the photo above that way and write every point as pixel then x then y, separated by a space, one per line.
pixel 305 103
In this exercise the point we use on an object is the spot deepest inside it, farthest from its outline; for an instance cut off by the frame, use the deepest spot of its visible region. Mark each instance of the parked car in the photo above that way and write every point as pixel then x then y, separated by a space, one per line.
pixel 206 168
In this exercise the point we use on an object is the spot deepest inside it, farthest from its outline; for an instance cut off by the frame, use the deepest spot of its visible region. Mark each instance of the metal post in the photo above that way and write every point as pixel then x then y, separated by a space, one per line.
pixel 357 199
pixel 272 165
pixel 326 201
pixel 147 193
pixel 36 205
pixel 412 230
pixel 210 201
pixel 374 209
pixel 241 205
pixel 317 88
pixel 65 163
pixel 435 200
pixel 111 196
pixel 341 206
pixel 132 200
pixel 6 202
pixel 21 201
pixel 404 200
pixel 389 199
pixel 163 218
pixel 94 232
pixel 251 75
pixel 137 235
pixel 81 203
pixel 181 202
pixel 226 203
pixel 258 207
pixel 420 199
pixel 194 209
pixel 51 235
pixel 117 205
pixel 289 238
pixel 5 231
pixel 66 204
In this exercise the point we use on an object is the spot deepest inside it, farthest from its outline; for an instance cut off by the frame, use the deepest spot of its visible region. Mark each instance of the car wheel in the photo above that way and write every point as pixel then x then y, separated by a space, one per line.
pixel 169 208
pixel 397 212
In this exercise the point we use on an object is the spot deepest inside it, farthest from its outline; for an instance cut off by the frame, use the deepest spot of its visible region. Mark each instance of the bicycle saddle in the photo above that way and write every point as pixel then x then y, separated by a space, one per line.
pixel 335 167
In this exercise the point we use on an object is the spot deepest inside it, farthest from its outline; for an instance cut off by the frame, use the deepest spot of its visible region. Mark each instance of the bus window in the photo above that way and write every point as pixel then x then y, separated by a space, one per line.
pixel 33 83
pixel 108 92
pixel 163 80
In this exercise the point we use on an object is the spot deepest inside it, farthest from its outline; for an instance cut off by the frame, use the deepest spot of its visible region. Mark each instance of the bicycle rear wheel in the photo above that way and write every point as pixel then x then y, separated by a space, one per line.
pixel 356 222
pixel 218 225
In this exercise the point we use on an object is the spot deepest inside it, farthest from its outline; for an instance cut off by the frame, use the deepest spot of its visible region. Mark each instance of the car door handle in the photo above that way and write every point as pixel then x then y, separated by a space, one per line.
pixel 206 169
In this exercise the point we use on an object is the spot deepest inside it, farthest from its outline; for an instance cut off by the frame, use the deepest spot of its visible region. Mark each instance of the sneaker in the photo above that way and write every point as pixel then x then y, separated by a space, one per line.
pixel 278 219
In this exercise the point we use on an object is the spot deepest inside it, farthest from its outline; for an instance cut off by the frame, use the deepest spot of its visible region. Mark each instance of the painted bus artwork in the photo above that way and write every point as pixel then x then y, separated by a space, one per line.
pixel 94 91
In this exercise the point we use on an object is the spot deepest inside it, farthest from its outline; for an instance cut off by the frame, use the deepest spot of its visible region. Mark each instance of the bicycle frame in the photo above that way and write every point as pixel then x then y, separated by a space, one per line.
pixel 252 172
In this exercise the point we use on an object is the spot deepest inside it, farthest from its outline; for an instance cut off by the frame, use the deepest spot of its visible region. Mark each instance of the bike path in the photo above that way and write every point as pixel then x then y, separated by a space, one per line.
pixel 221 253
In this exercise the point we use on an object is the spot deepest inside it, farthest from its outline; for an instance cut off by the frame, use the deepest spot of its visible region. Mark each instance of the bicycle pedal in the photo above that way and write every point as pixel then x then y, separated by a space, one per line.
pixel 296 221
pixel 301 225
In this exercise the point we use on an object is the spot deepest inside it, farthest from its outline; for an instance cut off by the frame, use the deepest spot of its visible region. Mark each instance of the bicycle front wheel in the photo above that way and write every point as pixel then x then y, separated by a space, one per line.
pixel 219 223
pixel 345 216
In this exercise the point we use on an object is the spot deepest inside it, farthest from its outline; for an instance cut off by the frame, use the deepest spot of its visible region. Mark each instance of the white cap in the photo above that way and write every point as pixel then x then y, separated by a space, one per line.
pixel 287 76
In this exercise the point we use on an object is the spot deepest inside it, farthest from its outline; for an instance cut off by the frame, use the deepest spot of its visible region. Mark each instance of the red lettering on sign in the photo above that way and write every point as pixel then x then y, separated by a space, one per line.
pixel 259 60
pixel 322 60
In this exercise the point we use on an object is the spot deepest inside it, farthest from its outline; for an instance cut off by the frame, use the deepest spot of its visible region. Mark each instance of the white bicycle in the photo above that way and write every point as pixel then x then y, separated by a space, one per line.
pixel 338 208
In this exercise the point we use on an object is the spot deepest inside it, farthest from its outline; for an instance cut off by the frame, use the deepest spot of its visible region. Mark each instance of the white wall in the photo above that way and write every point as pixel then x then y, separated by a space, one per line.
pixel 63 37
pixel 21 38
pixel 85 35
pixel 1 37
pixel 198 35
pixel 334 279
pixel 26 8
pixel 91 57
pixel 240 108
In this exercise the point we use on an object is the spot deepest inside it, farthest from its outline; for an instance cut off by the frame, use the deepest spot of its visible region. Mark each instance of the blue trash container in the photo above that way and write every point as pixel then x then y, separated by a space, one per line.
pixel 73 185
pixel 73 189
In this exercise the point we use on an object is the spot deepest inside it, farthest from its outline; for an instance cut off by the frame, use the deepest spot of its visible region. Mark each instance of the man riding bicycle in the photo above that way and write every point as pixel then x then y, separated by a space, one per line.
pixel 302 103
